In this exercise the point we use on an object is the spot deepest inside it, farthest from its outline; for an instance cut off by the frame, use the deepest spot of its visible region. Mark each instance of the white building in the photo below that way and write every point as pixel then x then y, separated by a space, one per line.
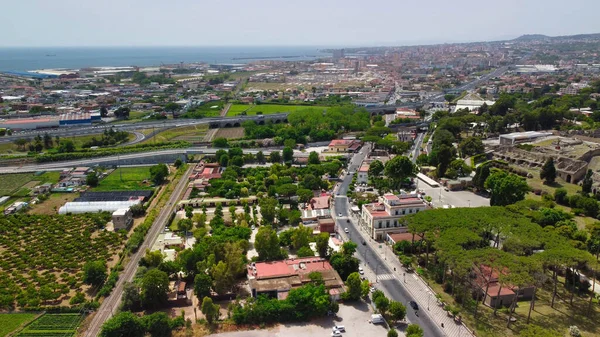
pixel 383 217
pixel 363 174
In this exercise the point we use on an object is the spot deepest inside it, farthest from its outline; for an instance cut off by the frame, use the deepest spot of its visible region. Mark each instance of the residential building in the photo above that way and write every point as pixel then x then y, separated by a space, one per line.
pixel 496 294
pixel 344 145
pixel 383 217
pixel 122 219
pixel 277 278
pixel 326 224
pixel 363 174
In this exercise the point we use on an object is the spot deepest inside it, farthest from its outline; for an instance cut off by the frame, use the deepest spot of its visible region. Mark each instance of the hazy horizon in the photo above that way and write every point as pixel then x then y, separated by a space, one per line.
pixel 334 23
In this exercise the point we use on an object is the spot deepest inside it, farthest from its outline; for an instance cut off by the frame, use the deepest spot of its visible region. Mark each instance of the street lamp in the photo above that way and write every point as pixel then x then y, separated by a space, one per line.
pixel 469 203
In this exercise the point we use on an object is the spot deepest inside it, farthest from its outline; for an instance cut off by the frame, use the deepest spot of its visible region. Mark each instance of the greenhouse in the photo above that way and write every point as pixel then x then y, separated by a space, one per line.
pixel 95 206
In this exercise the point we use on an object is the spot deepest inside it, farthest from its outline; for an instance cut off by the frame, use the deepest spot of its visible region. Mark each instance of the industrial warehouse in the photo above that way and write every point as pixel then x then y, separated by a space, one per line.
pixel 45 122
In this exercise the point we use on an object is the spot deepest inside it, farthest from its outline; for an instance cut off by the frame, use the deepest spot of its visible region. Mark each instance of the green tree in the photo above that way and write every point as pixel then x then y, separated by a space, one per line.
pixel 123 324
pixel 66 146
pixel 158 173
pixel 586 184
pixel 288 154
pixel 316 278
pixel 224 160
pixel 94 273
pixel 506 188
pixel 275 157
pixel 154 289
pixel 398 169
pixel 413 330
pixel 220 142
pixel 382 303
pixel 397 311
pixel 348 248
pixel 152 258
pixel 353 287
pixel 365 287
pixel 178 163
pixel 322 243
pixel 210 310
pixel 548 172
pixel 131 299
pixel 560 196
pixel 157 324
pixel 260 157
pixel 313 158
pixel 92 179
pixel 301 237
pixel 304 195
pixel 471 146
pixel 268 209
pixel 47 141
pixel 202 285
pixel 376 168
pixel 266 243
pixel 305 252
pixel 392 333
pixel 481 174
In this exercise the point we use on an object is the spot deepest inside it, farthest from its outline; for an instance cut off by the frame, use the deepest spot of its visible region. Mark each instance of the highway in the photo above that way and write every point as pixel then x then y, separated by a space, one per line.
pixel 368 253
pixel 111 303
pixel 133 126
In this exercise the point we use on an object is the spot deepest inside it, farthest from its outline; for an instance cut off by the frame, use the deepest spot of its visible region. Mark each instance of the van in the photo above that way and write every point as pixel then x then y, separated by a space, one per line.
pixel 376 319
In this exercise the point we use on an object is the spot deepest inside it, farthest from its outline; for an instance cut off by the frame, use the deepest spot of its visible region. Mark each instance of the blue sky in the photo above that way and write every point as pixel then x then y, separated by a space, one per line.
pixel 285 22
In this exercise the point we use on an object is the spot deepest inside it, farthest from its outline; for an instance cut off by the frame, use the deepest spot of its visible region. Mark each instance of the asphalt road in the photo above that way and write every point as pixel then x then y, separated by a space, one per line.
pixel 368 253
pixel 111 303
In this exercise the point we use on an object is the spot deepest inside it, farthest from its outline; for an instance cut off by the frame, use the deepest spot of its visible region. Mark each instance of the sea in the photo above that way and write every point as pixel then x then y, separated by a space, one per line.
pixel 25 59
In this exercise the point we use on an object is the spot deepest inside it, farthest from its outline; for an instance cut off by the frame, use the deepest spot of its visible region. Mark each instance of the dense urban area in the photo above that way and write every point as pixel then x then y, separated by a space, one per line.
pixel 438 190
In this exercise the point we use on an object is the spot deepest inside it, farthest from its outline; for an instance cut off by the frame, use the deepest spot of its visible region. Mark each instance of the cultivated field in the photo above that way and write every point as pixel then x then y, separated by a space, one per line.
pixel 192 133
pixel 230 133
pixel 43 256
pixel 14 184
pixel 53 325
pixel 266 109
pixel 11 322
pixel 126 179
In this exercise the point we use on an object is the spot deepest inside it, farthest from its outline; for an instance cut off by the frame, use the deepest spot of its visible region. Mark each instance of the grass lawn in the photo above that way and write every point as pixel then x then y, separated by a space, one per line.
pixel 132 179
pixel 192 133
pixel 53 203
pixel 11 322
pixel 14 184
pixel 268 109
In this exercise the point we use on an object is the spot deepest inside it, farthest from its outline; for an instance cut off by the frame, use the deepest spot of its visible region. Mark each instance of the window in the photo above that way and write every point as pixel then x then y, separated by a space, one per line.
pixel 396 212
pixel 403 211
pixel 417 210
pixel 387 224
pixel 395 223
pixel 409 210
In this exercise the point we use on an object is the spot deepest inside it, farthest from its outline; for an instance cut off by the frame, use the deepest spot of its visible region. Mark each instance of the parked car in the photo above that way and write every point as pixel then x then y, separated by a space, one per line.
pixel 346 230
pixel 360 270
pixel 414 305
pixel 336 333
pixel 364 243
pixel 373 289
pixel 377 318
pixel 340 215
pixel 339 328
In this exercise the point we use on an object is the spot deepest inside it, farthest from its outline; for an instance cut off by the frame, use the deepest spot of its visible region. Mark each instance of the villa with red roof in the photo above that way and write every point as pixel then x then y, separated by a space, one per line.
pixel 383 217
pixel 495 294
pixel 344 145
pixel 276 278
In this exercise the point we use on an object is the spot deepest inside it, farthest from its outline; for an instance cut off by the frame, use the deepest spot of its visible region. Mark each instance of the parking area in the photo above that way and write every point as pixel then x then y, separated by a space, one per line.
pixel 354 317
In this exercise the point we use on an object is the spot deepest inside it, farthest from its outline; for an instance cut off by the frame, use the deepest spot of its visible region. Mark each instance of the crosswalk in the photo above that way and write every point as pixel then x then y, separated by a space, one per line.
pixel 382 277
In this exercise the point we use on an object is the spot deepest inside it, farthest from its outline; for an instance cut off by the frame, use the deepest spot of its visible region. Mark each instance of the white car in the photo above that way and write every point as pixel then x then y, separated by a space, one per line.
pixel 360 270
pixel 339 328
pixel 340 215
pixel 336 333
pixel 346 230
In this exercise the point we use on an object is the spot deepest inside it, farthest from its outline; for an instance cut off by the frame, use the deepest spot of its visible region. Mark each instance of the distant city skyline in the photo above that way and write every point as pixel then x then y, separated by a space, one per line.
pixel 333 23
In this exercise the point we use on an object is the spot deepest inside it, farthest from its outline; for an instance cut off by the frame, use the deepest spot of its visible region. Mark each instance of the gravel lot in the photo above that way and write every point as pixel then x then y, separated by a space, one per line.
pixel 355 317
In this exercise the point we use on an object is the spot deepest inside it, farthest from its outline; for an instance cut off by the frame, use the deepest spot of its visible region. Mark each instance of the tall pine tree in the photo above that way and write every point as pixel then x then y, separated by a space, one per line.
pixel 586 184
pixel 548 173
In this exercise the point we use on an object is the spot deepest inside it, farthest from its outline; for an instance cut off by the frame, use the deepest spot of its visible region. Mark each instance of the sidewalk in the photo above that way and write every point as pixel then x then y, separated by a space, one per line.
pixel 420 291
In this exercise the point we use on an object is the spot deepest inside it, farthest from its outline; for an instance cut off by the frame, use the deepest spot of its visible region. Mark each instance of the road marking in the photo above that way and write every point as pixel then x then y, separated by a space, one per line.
pixel 385 277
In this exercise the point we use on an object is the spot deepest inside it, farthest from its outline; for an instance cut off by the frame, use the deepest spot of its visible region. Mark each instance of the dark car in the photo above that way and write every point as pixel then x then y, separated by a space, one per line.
pixel 364 243
pixel 414 305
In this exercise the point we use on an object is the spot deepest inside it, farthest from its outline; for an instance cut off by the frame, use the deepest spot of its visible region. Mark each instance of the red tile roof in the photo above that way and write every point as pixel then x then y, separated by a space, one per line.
pixel 289 267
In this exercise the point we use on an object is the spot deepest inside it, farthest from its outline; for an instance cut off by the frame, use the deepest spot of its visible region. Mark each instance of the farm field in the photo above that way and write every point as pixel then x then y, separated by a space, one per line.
pixel 230 133
pixel 43 256
pixel 50 325
pixel 192 133
pixel 11 322
pixel 52 204
pixel 14 184
pixel 125 179
pixel 267 109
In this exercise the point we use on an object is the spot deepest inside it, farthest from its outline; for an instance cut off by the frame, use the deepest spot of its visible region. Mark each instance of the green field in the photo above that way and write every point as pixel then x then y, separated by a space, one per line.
pixel 50 325
pixel 268 109
pixel 126 179
pixel 14 184
pixel 11 322
pixel 10 148
pixel 192 133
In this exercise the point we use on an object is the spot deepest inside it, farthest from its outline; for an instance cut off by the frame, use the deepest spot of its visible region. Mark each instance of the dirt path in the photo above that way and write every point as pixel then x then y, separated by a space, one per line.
pixel 210 134
pixel 225 109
